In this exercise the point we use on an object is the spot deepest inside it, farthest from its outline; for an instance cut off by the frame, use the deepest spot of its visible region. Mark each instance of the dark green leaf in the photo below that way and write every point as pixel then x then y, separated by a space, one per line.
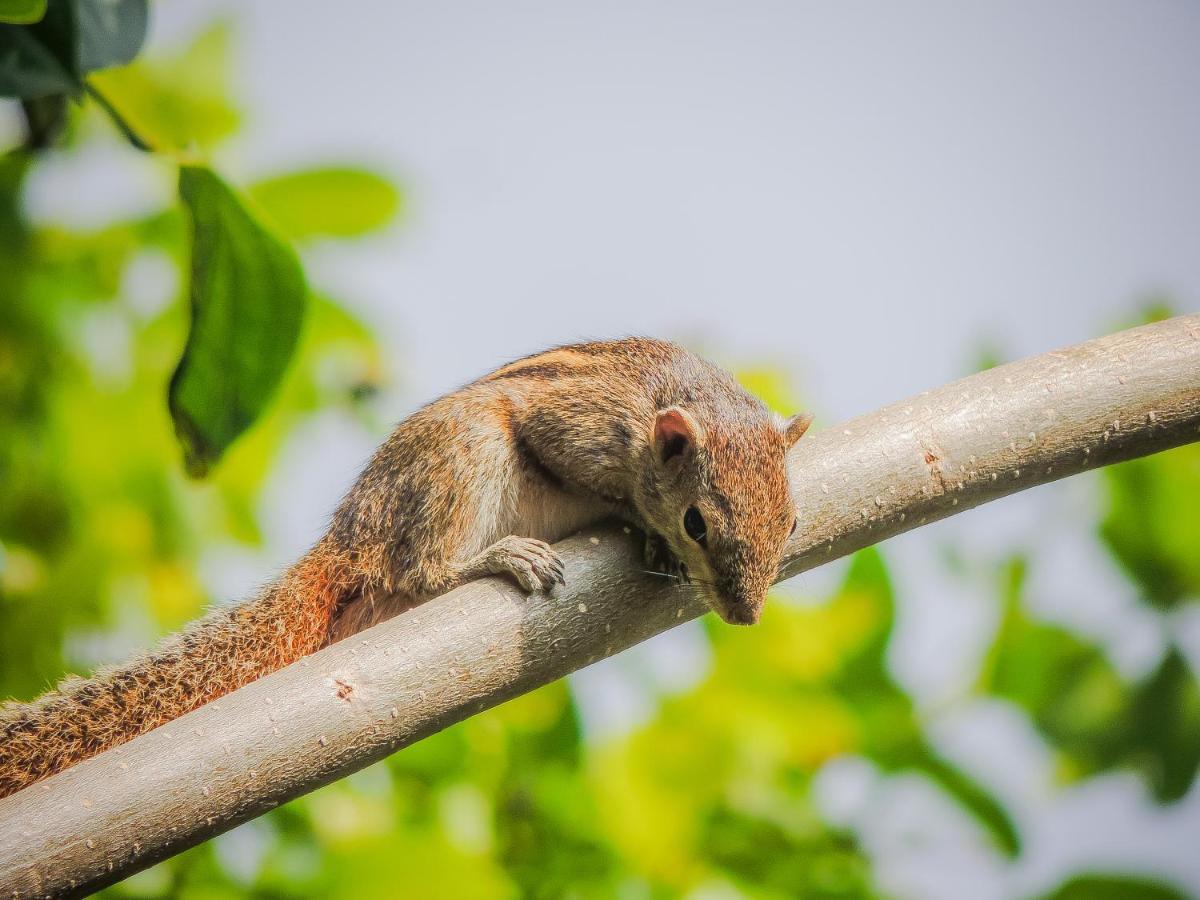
pixel 1080 703
pixel 41 59
pixel 891 733
pixel 111 32
pixel 1114 887
pixel 320 203
pixel 1164 728
pixel 776 861
pixel 1067 685
pixel 45 117
pixel 22 12
pixel 248 297
pixel 74 37
pixel 1151 526
pixel 975 799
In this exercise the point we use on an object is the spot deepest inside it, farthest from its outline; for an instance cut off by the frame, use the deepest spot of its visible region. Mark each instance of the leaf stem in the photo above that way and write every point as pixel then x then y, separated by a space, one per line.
pixel 117 119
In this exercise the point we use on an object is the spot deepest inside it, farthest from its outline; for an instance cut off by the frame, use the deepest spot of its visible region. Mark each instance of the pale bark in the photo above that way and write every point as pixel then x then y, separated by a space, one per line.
pixel 992 434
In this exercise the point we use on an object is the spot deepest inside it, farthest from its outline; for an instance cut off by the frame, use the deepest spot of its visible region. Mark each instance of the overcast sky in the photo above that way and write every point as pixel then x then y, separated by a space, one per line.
pixel 866 191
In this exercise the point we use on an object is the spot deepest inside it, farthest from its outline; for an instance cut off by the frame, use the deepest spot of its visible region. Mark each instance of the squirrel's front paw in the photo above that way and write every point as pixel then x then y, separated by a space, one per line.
pixel 659 558
pixel 530 561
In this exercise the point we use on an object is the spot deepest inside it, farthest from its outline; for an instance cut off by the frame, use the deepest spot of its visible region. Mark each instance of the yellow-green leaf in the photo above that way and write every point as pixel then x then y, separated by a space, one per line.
pixel 177 102
pixel 332 202
pixel 22 12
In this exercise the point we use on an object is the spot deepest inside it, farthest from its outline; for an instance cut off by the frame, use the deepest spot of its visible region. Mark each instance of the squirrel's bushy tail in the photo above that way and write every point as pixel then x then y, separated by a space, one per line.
pixel 226 649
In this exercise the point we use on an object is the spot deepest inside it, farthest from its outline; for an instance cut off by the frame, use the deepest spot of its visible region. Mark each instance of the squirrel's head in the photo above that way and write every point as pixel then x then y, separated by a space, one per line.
pixel 719 496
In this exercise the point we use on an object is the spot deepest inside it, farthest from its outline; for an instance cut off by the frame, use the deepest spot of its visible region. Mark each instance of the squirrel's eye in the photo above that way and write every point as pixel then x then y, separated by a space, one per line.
pixel 693 524
pixel 793 531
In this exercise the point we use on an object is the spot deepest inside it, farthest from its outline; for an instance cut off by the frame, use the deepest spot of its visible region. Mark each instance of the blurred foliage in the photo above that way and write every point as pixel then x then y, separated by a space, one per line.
pixel 247 286
pixel 1093 718
pixel 1151 532
pixel 1114 887
pixel 49 48
pixel 21 12
pixel 327 203
pixel 712 796
pixel 97 527
pixel 179 102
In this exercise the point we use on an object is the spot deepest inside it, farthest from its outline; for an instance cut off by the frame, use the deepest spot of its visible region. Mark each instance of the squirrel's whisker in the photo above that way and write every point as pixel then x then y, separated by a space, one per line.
pixel 659 574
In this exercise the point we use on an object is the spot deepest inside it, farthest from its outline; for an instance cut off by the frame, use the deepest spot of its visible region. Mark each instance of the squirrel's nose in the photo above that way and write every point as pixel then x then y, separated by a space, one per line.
pixel 740 608
pixel 742 614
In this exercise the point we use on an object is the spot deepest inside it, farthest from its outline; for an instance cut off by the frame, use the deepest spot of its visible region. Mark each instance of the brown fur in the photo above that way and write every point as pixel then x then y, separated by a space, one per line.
pixel 478 482
pixel 221 652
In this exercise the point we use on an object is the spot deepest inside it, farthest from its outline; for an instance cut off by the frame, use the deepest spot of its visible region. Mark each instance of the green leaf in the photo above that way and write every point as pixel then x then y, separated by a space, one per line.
pixel 41 59
pixel 22 12
pixel 1067 685
pixel 974 798
pixel 1151 526
pixel 177 102
pixel 1114 887
pixel 72 38
pixel 1080 703
pixel 333 202
pixel 111 32
pixel 890 732
pixel 1164 728
pixel 248 297
pixel 45 117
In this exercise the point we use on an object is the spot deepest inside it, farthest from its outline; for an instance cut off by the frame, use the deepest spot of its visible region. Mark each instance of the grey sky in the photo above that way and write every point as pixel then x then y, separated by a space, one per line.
pixel 864 190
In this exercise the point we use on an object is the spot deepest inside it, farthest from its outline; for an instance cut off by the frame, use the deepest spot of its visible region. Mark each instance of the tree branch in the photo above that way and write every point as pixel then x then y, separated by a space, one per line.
pixel 945 451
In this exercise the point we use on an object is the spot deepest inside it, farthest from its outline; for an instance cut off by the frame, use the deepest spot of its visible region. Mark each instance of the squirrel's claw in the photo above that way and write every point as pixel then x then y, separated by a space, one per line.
pixel 530 561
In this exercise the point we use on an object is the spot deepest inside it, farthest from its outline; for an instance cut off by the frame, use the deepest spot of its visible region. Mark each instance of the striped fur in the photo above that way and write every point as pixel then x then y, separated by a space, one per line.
pixel 475 483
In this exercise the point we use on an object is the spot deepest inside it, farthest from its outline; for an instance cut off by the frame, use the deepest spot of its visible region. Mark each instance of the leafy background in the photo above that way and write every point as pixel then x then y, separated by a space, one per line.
pixel 155 369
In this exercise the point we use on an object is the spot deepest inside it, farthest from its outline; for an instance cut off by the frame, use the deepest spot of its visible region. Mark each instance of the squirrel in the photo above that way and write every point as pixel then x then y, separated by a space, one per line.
pixel 479 482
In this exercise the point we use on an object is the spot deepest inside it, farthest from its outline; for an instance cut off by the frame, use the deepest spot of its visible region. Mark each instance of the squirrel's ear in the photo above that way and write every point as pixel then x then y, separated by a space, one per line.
pixel 794 428
pixel 675 433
